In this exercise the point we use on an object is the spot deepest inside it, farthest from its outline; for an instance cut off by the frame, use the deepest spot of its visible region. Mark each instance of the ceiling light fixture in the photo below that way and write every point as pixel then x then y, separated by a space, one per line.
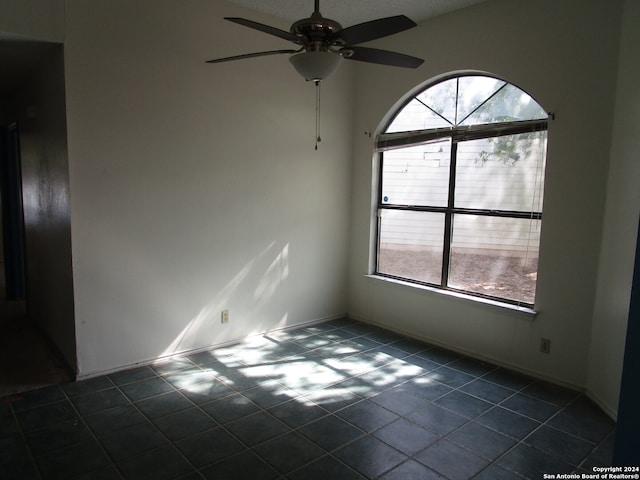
pixel 316 66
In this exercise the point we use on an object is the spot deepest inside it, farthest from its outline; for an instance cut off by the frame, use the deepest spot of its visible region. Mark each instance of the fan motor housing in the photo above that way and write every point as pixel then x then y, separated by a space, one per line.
pixel 315 28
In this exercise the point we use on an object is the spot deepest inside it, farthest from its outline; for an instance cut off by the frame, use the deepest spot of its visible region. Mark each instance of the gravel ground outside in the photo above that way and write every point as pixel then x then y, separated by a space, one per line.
pixel 504 276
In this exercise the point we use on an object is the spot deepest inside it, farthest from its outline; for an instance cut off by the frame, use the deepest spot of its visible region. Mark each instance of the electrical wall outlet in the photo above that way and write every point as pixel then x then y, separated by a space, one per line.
pixel 545 345
pixel 224 318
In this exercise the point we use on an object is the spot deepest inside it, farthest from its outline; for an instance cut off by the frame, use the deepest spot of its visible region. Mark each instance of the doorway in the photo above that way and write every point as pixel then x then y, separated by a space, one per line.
pixel 12 221
pixel 37 323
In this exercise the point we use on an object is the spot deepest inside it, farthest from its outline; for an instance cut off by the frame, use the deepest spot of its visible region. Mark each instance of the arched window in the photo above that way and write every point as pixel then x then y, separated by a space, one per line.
pixel 461 188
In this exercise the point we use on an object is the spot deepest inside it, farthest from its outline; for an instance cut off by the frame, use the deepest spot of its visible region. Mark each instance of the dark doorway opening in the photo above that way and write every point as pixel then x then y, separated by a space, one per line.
pixel 12 218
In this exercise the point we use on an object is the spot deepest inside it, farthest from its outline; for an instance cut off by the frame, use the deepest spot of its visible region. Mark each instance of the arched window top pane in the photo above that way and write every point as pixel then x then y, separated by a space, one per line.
pixel 441 99
pixel 466 100
pixel 509 104
pixel 416 116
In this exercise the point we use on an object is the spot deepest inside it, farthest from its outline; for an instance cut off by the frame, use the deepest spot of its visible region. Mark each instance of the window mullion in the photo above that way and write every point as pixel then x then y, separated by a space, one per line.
pixel 448 219
pixel 379 214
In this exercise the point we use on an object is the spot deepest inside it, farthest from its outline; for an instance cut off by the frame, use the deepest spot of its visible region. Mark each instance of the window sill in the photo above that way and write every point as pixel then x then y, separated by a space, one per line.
pixel 525 312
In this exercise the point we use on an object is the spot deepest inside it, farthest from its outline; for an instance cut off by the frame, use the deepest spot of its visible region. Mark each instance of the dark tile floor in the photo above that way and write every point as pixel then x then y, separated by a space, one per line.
pixel 27 360
pixel 339 400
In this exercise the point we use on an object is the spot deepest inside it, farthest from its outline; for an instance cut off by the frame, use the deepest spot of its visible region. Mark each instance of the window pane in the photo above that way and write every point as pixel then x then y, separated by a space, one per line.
pixel 417 175
pixel 442 98
pixel 508 105
pixel 495 256
pixel 472 92
pixel 415 116
pixel 410 245
pixel 501 173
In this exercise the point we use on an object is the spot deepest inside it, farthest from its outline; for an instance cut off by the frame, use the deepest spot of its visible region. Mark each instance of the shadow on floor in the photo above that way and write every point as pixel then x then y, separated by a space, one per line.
pixel 27 361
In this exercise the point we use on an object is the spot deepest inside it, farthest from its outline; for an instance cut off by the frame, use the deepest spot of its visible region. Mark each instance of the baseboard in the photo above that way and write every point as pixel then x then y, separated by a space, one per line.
pixel 474 355
pixel 612 413
pixel 151 361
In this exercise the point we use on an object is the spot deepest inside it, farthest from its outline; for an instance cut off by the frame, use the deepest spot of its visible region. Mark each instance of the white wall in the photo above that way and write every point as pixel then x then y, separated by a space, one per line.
pixel 565 55
pixel 621 221
pixel 196 187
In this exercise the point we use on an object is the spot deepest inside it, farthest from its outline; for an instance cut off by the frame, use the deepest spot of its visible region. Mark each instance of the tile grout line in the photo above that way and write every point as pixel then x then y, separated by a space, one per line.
pixel 91 432
pixel 24 439
pixel 148 421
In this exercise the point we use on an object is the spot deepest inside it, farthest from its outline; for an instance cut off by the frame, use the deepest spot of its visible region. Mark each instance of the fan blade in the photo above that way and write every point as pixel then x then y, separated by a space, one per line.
pixel 383 57
pixel 265 29
pixel 383 27
pixel 250 55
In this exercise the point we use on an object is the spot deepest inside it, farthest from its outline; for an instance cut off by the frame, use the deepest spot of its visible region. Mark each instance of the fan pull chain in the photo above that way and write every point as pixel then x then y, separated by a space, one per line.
pixel 318 139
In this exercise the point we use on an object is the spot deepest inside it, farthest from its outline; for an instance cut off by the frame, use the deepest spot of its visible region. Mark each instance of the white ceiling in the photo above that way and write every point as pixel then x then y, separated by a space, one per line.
pixel 351 12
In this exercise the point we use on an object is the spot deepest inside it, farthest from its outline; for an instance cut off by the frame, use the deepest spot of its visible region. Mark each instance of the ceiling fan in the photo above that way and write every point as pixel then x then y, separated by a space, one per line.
pixel 323 43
